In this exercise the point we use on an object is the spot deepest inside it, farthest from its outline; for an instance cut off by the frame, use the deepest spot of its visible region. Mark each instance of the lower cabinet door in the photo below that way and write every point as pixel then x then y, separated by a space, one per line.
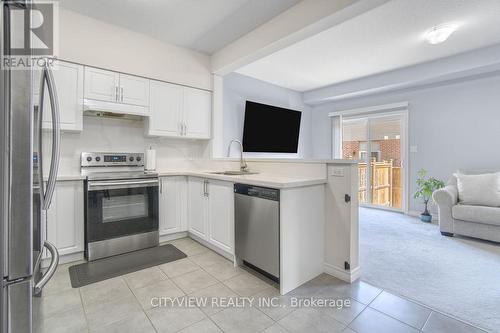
pixel 221 214
pixel 65 218
pixel 173 205
pixel 197 207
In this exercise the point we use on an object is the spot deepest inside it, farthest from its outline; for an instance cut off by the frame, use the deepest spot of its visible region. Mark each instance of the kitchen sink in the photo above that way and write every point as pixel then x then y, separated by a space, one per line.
pixel 234 173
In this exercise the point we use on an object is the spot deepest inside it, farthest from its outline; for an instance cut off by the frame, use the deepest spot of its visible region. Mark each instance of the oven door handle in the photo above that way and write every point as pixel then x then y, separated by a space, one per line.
pixel 100 185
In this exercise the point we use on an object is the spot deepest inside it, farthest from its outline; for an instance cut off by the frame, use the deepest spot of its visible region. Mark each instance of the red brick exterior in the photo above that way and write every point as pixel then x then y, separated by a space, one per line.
pixel 389 149
pixel 350 149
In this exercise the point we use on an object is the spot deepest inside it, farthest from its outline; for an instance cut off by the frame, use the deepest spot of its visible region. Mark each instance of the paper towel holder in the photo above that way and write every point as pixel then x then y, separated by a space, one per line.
pixel 150 164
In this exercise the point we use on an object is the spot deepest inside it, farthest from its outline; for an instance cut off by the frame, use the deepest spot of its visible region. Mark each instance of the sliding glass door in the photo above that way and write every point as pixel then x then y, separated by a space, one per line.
pixel 376 141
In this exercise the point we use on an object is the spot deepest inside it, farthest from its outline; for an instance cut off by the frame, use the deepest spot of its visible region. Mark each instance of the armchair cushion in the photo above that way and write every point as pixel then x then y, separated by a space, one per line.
pixel 478 214
pixel 481 189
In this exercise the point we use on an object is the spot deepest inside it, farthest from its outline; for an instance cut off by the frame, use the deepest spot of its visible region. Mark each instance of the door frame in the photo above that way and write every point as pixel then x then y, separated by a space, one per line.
pixel 371 112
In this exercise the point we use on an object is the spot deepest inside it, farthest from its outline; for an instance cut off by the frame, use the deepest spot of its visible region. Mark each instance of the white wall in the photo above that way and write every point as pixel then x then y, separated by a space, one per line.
pixel 92 42
pixel 237 89
pixel 454 126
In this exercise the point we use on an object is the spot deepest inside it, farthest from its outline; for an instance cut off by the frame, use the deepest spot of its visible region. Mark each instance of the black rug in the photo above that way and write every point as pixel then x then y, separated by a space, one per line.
pixel 107 268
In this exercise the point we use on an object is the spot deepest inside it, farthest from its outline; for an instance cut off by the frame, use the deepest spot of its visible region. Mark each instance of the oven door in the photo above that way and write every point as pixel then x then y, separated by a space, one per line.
pixel 117 208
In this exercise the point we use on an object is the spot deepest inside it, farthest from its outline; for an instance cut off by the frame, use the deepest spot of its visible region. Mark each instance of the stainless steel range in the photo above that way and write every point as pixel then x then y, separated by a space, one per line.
pixel 121 204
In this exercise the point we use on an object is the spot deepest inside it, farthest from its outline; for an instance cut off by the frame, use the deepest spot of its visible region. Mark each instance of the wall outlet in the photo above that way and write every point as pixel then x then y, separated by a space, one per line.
pixel 338 172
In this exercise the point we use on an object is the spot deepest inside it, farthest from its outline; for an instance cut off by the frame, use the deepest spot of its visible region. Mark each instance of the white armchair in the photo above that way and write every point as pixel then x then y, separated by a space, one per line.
pixel 468 220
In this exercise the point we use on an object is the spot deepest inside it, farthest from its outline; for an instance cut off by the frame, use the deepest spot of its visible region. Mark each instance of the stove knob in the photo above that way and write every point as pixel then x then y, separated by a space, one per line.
pixel 89 158
pixel 138 158
pixel 131 158
pixel 97 159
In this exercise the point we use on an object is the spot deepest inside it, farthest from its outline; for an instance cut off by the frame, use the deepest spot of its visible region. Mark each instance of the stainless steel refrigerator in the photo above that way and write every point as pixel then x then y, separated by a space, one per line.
pixel 23 193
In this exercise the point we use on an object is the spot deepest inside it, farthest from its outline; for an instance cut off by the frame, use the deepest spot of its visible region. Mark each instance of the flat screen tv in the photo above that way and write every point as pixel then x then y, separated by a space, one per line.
pixel 270 129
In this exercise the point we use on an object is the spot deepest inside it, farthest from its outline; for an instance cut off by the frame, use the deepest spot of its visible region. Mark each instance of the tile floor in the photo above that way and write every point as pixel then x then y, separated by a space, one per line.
pixel 123 304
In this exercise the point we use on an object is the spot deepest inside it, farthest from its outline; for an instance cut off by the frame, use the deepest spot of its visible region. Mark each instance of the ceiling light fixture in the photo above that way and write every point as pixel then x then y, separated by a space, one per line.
pixel 440 33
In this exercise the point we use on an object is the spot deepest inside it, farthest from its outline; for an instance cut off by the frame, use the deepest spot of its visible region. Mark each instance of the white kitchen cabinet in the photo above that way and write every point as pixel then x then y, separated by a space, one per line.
pixel 197 113
pixel 108 86
pixel 197 207
pixel 134 90
pixel 65 218
pixel 211 212
pixel 68 79
pixel 173 205
pixel 221 214
pixel 165 110
pixel 101 85
pixel 177 111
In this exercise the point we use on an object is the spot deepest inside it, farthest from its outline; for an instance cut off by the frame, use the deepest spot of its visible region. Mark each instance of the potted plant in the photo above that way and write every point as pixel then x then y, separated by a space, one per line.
pixel 425 187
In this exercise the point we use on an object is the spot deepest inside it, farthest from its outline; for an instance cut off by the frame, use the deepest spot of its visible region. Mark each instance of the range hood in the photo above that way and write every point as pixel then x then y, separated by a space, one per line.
pixel 93 107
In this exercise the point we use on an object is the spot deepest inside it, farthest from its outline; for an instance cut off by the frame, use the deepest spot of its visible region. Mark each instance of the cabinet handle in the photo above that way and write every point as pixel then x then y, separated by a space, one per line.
pixel 121 93
pixel 116 94
pixel 185 128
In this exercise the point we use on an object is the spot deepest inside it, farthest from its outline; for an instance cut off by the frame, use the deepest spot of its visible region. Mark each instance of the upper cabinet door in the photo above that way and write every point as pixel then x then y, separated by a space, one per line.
pixel 165 109
pixel 101 85
pixel 134 90
pixel 68 79
pixel 197 113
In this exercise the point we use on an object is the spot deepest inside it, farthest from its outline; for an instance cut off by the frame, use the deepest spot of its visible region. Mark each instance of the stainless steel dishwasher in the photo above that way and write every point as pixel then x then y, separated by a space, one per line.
pixel 257 228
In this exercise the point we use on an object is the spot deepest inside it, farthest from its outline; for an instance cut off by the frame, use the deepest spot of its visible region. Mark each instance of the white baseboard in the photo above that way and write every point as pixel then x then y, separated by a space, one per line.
pixel 171 237
pixel 203 242
pixel 340 273
pixel 64 259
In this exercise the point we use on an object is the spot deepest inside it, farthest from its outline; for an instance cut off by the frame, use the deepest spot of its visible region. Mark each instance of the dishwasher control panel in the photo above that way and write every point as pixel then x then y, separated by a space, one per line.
pixel 257 191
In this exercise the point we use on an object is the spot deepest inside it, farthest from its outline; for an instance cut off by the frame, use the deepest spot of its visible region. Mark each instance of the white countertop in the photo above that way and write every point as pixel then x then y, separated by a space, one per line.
pixel 259 179
pixel 289 160
pixel 62 178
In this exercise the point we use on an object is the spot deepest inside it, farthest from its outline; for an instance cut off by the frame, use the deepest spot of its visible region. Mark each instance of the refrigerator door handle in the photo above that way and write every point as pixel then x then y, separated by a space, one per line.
pixel 54 262
pixel 46 197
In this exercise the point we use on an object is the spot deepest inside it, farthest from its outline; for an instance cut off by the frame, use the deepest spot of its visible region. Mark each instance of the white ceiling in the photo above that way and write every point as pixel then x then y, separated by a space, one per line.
pixel 385 38
pixel 201 25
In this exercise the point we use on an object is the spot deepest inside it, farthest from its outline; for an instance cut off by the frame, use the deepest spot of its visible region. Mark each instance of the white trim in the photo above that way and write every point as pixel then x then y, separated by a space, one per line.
pixel 371 109
pixel 342 274
pixel 386 208
pixel 212 247
pixel 64 259
pixel 170 237
pixel 405 144
pixel 400 109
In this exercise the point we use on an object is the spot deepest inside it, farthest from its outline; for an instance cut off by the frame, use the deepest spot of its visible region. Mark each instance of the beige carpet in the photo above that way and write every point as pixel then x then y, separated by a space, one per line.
pixel 458 276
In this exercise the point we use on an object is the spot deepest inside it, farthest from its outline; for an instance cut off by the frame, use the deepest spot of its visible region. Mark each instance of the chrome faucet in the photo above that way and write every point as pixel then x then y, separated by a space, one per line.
pixel 243 163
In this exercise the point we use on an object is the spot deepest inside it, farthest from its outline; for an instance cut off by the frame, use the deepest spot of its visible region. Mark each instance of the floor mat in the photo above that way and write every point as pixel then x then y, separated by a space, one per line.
pixel 107 268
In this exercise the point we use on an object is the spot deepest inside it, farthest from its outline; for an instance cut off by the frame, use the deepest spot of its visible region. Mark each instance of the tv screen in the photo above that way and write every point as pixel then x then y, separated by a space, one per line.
pixel 270 129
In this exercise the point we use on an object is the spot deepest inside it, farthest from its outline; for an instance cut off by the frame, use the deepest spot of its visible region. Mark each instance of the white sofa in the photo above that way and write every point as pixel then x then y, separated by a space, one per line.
pixel 467 220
